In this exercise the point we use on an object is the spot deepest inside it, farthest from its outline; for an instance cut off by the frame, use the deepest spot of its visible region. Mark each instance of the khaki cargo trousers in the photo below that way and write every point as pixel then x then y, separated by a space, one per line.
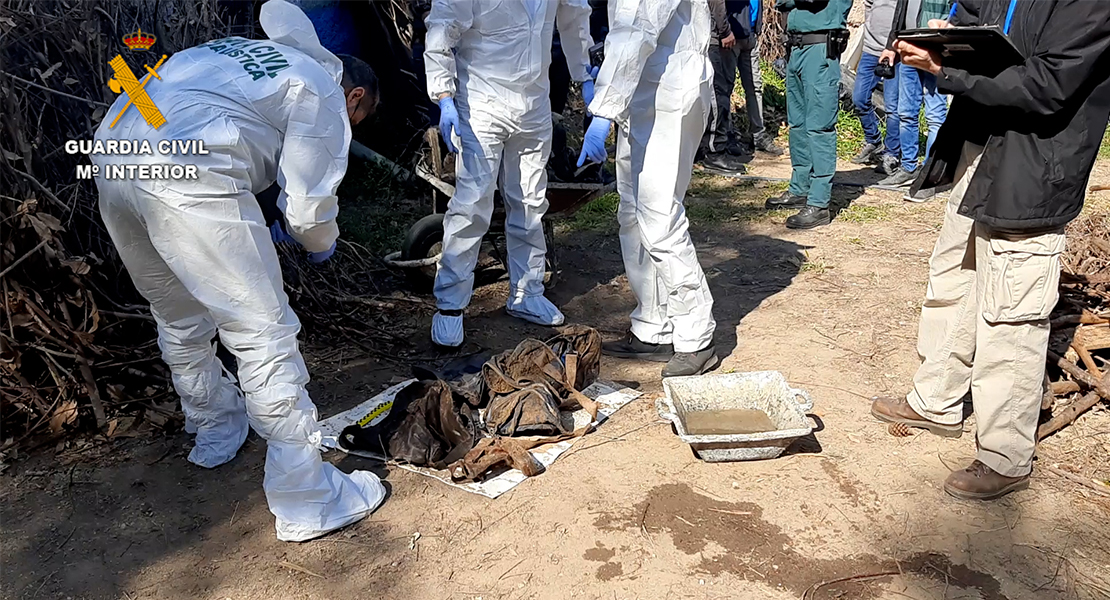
pixel 984 329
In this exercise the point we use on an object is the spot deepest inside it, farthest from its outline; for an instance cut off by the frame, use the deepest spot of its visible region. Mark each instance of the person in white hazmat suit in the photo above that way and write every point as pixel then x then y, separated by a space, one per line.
pixel 487 66
pixel 200 252
pixel 657 83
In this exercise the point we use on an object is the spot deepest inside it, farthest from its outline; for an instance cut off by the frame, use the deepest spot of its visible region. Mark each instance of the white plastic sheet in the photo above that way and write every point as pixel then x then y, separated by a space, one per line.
pixel 611 397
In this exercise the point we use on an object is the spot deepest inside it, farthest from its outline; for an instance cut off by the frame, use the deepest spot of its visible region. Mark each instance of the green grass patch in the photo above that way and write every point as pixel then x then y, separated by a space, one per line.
pixel 373 210
pixel 1104 148
pixel 864 213
pixel 849 135
pixel 599 215
pixel 774 88
pixel 817 267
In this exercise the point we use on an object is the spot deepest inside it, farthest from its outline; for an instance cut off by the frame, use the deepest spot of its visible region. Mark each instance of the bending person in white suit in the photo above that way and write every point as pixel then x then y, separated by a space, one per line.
pixel 198 250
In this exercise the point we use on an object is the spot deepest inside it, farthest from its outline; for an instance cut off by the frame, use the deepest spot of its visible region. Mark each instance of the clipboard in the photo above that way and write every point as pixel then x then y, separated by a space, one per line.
pixel 982 50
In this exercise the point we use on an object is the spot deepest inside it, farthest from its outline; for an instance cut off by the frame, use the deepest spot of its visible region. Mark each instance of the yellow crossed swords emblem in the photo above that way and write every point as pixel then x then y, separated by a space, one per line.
pixel 136 93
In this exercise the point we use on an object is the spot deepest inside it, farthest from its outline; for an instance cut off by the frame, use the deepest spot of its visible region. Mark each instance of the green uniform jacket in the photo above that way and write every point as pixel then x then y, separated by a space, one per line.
pixel 815 15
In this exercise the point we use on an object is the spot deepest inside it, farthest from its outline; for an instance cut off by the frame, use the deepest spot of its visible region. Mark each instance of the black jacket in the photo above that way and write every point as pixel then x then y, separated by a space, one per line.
pixel 740 18
pixel 1041 122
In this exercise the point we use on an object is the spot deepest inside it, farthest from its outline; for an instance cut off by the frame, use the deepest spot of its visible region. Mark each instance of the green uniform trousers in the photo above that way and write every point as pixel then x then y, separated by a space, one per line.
pixel 812 85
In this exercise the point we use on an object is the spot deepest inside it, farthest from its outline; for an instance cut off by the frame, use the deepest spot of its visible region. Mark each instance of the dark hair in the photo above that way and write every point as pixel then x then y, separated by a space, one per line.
pixel 356 73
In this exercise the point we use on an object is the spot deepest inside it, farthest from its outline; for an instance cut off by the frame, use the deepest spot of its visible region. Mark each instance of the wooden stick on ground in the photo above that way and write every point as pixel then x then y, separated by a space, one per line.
pixel 1080 375
pixel 1063 388
pixel 1088 360
pixel 1066 416
pixel 1086 318
pixel 1101 490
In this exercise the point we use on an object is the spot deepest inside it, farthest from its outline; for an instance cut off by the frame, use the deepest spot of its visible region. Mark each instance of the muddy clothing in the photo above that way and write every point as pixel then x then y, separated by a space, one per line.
pixel 1041 121
pixel 984 328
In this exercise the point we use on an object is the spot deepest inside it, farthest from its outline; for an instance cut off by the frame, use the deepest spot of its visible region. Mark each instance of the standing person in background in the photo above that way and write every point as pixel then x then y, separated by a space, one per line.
pixel 656 82
pixel 1019 148
pixel 720 147
pixel 915 87
pixel 876 32
pixel 816 36
pixel 487 66
pixel 736 25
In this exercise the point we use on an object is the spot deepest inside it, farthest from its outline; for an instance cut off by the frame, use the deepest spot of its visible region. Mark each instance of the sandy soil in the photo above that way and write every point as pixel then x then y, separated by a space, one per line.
pixel 849 513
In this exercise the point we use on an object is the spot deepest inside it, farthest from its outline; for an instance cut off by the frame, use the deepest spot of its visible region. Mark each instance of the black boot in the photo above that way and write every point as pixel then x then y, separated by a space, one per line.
pixel 632 347
pixel 785 200
pixel 723 163
pixel 692 363
pixel 809 217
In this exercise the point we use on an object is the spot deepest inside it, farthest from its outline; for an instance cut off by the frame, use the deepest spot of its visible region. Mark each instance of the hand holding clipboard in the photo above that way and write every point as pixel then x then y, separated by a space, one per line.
pixel 978 50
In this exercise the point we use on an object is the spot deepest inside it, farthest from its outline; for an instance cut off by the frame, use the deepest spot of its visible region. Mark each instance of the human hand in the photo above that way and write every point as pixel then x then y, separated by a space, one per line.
pixel 593 143
pixel 448 121
pixel 890 56
pixel 939 24
pixel 278 235
pixel 588 92
pixel 319 257
pixel 729 41
pixel 918 57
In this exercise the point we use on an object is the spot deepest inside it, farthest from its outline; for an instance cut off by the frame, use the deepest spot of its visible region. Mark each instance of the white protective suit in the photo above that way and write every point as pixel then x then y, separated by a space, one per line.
pixel 657 85
pixel 200 252
pixel 493 57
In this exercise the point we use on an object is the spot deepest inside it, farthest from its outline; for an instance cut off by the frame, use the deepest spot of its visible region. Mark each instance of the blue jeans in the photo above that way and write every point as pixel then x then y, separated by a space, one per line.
pixel 861 98
pixel 915 86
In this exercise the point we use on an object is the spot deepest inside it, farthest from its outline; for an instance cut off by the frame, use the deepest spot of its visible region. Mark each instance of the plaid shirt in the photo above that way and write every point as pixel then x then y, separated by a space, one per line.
pixel 933 9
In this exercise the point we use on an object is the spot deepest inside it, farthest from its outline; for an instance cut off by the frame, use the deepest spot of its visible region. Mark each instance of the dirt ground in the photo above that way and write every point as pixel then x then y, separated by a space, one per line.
pixel 849 513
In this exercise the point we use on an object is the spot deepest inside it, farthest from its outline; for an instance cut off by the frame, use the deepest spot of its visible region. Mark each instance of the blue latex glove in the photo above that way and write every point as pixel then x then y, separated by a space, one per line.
pixel 319 257
pixel 277 233
pixel 588 92
pixel 448 121
pixel 593 143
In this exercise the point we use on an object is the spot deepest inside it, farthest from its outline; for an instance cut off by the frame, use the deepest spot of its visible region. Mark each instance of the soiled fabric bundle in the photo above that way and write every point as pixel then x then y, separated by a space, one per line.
pixel 427 426
pixel 531 410
pixel 435 423
pixel 533 361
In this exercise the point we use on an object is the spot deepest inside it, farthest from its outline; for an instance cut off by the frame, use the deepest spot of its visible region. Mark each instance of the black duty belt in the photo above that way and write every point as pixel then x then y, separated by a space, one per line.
pixel 807 39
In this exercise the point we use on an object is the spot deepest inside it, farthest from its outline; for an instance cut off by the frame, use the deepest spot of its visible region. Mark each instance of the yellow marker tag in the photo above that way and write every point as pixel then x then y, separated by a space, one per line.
pixel 376 414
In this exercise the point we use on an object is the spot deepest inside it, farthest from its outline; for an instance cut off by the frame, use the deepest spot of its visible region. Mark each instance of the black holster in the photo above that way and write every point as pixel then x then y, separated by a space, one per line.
pixel 837 43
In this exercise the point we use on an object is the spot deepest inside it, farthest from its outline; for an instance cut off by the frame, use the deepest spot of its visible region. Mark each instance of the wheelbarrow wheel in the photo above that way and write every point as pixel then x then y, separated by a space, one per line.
pixel 424 240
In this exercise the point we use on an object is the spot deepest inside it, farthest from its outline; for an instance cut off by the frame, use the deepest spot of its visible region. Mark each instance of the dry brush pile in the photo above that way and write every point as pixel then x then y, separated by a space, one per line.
pixel 1080 348
pixel 77 345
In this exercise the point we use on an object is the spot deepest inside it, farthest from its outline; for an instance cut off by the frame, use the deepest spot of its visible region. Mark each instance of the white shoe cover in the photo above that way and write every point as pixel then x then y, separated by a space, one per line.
pixel 356 496
pixel 218 445
pixel 535 309
pixel 447 330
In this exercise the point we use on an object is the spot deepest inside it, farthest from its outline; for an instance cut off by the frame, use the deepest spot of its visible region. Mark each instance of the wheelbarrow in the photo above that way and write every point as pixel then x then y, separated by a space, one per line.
pixel 424 241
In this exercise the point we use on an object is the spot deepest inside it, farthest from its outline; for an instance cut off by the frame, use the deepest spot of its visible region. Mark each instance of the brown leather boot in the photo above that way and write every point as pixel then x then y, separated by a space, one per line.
pixel 980 482
pixel 889 409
